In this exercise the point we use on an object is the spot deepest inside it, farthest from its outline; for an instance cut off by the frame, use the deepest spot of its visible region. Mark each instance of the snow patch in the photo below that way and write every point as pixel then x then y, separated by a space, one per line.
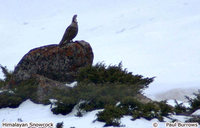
pixel 176 94
pixel 196 113
pixel 173 103
pixel 31 112
pixel 53 100
pixel 9 91
pixel 71 85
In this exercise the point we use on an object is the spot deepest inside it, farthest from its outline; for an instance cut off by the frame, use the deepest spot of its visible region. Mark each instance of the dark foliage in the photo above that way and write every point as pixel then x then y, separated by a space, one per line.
pixel 180 108
pixel 9 99
pixel 7 74
pixel 194 102
pixel 110 115
pixel 26 89
pixel 100 74
pixel 59 125
pixel 18 93
pixel 164 108
pixel 148 111
pixel 130 104
pixel 79 113
pixel 95 96
pixel 101 95
pixel 64 106
pixel 100 85
pixel 97 103
pixel 2 83
pixel 134 107
pixel 66 100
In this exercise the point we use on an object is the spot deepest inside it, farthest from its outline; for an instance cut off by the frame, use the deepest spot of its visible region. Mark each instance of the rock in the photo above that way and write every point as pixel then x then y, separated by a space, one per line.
pixel 55 62
pixel 46 88
pixel 143 99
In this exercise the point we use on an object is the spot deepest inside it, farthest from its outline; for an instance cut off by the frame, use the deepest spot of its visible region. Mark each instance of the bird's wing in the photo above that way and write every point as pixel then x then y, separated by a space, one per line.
pixel 69 34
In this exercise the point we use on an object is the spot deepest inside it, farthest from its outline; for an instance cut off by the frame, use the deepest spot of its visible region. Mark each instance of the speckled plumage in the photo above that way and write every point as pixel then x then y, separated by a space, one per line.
pixel 70 32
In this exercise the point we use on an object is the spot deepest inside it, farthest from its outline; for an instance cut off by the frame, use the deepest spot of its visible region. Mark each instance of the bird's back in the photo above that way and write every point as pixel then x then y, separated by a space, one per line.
pixel 70 33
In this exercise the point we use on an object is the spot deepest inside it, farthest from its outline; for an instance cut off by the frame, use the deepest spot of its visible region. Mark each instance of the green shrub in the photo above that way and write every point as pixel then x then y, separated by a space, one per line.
pixel 97 103
pixel 9 99
pixel 152 110
pixel 23 90
pixel 7 74
pixel 26 89
pixel 59 125
pixel 194 102
pixel 18 93
pixel 100 74
pixel 110 115
pixel 64 106
pixel 130 104
pixel 100 86
pixel 66 100
pixel 2 83
pixel 180 108
pixel 79 113
pixel 165 109
pixel 100 95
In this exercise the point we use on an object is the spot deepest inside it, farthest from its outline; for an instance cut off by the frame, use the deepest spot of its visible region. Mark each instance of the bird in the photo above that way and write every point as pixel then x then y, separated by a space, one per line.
pixel 70 32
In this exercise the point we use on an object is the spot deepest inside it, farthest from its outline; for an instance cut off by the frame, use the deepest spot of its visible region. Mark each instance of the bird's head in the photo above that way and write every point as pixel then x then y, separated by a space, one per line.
pixel 74 19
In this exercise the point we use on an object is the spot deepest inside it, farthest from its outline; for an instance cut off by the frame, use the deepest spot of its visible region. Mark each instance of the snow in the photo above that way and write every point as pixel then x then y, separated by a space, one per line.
pixel 9 91
pixel 31 112
pixel 71 85
pixel 196 113
pixel 173 103
pixel 53 100
pixel 177 93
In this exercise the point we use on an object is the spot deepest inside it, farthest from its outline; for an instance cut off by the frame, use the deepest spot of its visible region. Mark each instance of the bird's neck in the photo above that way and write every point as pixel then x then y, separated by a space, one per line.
pixel 74 24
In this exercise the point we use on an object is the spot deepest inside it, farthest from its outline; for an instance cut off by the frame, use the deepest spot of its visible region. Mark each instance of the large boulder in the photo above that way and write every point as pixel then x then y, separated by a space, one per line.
pixel 55 62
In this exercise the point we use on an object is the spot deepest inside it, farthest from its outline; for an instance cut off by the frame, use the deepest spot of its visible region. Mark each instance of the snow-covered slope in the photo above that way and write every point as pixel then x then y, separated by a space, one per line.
pixel 30 112
pixel 177 93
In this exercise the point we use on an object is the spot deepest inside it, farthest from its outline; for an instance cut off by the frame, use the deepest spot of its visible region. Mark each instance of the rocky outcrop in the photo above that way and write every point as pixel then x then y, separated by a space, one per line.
pixel 46 88
pixel 55 62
